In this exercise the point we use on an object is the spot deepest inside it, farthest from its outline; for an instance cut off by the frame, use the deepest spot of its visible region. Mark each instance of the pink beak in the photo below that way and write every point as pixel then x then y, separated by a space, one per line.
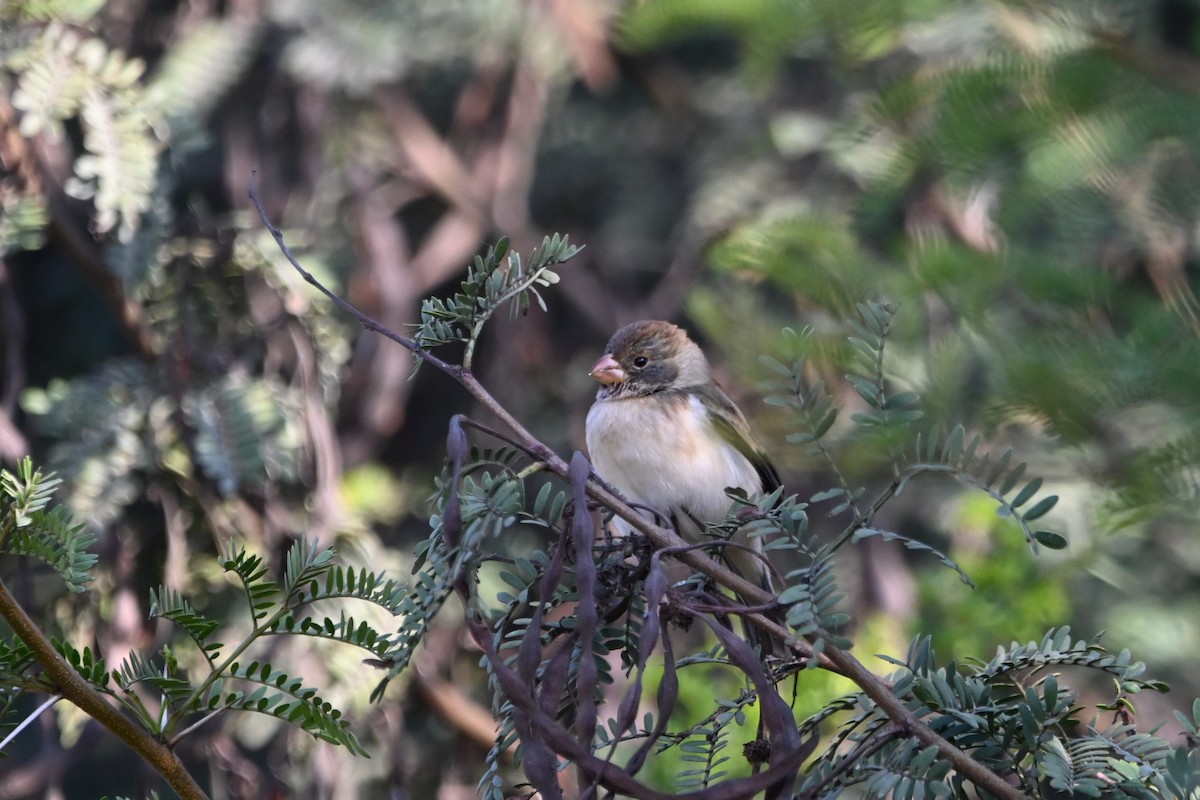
pixel 607 370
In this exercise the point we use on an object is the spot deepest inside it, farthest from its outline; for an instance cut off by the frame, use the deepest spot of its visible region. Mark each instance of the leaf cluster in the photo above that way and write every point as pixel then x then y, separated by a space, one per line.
pixel 116 432
pixel 156 691
pixel 63 76
pixel 1015 714
pixel 494 279
pixel 29 527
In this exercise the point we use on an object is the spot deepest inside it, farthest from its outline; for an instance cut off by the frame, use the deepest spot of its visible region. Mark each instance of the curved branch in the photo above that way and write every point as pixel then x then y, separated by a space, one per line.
pixel 73 687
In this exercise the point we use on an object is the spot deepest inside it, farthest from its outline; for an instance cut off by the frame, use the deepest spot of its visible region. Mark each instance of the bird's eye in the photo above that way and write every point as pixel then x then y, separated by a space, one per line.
pixel 641 361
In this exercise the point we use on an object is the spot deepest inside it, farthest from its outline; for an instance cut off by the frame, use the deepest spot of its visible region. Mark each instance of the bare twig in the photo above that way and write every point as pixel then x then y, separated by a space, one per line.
pixel 367 322
pixel 459 709
pixel 29 720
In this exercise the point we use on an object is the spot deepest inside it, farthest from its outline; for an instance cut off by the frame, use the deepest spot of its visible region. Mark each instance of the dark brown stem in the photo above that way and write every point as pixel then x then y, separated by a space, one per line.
pixel 73 687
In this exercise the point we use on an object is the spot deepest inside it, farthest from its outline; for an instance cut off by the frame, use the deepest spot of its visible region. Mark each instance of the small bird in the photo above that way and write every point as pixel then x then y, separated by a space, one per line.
pixel 665 435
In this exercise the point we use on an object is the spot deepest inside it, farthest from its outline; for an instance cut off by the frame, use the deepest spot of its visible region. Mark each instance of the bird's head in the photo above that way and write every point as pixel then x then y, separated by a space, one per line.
pixel 647 357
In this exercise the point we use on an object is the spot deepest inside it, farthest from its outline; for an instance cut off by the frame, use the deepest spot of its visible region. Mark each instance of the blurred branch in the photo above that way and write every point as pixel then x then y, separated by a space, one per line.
pixel 1169 67
pixel 585 29
pixel 517 150
pixel 428 155
pixel 458 709
pixel 383 249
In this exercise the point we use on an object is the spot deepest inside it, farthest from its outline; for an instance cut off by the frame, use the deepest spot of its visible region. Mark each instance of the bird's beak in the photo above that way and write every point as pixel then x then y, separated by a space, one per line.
pixel 607 370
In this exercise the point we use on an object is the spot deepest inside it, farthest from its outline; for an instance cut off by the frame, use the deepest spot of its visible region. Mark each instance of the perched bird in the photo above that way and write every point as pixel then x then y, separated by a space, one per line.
pixel 665 435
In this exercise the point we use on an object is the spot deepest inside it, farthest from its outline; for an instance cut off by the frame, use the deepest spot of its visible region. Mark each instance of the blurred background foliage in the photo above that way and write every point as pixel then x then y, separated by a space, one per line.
pixel 1019 177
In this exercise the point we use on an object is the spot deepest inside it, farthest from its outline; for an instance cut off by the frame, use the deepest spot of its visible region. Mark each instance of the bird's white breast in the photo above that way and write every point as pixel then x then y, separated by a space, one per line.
pixel 663 452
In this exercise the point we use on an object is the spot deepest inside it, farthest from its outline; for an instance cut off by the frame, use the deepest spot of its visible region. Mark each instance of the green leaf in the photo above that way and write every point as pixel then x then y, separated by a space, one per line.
pixel 1026 493
pixel 866 389
pixel 1041 508
pixel 1051 540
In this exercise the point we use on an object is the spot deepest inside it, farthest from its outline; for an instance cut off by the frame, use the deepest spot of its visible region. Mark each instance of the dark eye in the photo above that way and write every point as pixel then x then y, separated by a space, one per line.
pixel 641 361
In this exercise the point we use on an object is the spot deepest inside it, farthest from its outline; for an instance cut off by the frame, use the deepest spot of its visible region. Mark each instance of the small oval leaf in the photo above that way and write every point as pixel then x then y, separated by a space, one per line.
pixel 1050 539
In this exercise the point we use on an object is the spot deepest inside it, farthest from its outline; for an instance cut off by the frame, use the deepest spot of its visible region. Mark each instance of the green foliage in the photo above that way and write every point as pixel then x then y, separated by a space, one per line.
pixel 61 71
pixel 494 280
pixel 199 70
pixel 351 44
pixel 1014 714
pixel 768 29
pixel 550 672
pixel 22 223
pixel 227 684
pixel 64 76
pixel 51 10
pixel 1014 596
pixel 28 528
pixel 531 660
pixel 891 416
pixel 116 432
pixel 171 605
pixel 1021 172
pixel 242 435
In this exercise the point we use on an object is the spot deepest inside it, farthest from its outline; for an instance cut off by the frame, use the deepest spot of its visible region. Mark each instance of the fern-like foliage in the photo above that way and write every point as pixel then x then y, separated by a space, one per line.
pixel 890 425
pixel 171 605
pixel 50 10
pixel 351 45
pixel 60 72
pixel 626 605
pixel 99 423
pixel 63 75
pixel 114 431
pixel 494 280
pixel 891 418
pixel 1013 714
pixel 18 674
pixel 311 573
pixel 218 50
pixel 29 528
pixel 242 436
pixel 228 681
pixel 997 477
pixel 267 690
pixel 23 222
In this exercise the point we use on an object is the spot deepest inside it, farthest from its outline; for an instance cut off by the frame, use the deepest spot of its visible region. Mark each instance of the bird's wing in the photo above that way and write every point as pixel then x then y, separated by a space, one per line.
pixel 733 428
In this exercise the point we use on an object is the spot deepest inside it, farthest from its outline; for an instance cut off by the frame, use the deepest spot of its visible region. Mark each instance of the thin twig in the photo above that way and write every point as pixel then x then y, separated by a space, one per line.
pixel 195 725
pixel 366 321
pixel 25 723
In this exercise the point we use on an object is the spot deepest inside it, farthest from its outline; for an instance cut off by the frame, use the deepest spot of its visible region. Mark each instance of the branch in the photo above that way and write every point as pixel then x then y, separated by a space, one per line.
pixel 831 658
pixel 73 687
pixel 367 322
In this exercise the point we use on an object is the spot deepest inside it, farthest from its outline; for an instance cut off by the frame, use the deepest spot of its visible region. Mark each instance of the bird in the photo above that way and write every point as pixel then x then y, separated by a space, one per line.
pixel 665 435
